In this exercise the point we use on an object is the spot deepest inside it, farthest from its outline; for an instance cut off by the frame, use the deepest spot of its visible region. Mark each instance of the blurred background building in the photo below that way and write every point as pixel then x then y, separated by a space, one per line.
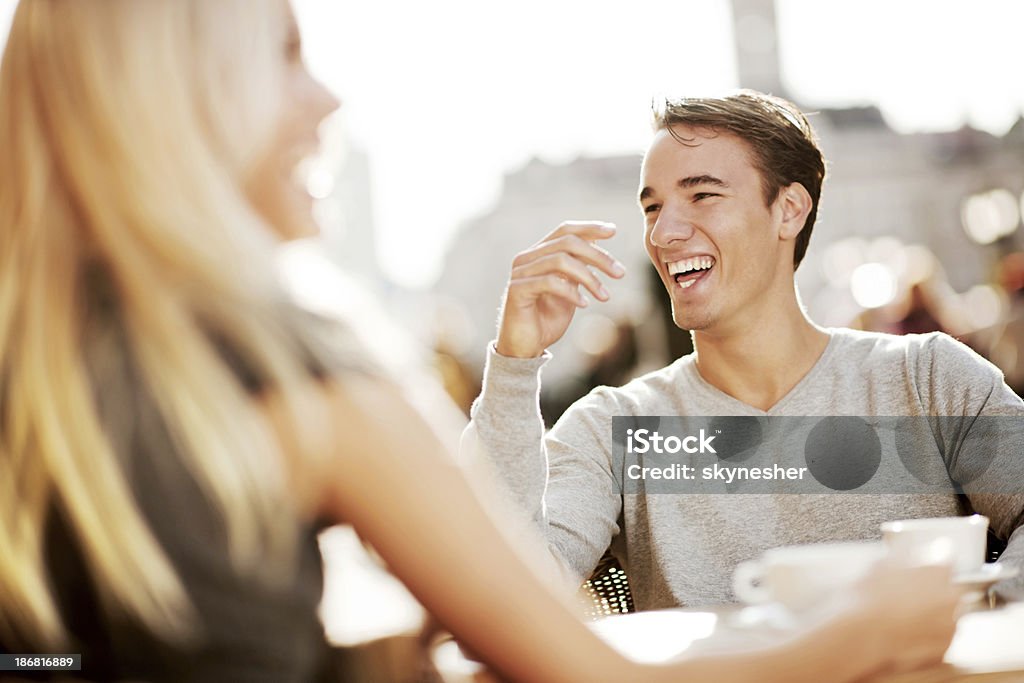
pixel 907 221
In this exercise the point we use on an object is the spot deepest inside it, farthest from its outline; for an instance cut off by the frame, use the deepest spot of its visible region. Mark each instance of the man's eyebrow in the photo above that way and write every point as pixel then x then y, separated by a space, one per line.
pixel 695 180
pixel 687 182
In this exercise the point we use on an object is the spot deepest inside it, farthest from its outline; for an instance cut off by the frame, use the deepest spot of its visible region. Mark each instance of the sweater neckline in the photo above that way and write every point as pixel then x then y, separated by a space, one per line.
pixel 745 408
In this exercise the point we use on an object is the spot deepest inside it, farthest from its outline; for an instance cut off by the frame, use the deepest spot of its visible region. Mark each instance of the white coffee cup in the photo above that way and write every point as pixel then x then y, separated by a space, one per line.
pixel 959 541
pixel 800 577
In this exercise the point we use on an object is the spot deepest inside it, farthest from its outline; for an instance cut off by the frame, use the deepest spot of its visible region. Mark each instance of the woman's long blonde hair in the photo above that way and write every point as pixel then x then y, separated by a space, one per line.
pixel 125 131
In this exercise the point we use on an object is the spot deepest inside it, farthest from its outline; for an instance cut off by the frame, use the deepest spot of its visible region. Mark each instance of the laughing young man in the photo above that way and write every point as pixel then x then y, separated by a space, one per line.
pixel 729 193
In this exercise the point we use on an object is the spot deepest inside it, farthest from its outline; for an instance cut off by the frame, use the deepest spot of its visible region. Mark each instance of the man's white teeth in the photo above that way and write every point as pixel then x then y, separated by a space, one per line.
pixel 687 283
pixel 692 263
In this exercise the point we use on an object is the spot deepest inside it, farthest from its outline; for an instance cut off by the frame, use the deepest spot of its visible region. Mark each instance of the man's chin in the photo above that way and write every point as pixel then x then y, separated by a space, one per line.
pixel 690 322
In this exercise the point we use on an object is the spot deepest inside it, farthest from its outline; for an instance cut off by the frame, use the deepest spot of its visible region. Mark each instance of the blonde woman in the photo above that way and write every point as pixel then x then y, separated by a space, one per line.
pixel 172 430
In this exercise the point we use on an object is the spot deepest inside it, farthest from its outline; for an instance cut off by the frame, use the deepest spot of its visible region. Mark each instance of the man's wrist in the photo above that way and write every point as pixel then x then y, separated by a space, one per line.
pixel 508 351
pixel 506 377
pixel 516 363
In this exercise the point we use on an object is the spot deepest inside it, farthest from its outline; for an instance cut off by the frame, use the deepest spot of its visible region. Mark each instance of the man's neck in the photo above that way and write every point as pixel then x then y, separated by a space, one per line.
pixel 761 364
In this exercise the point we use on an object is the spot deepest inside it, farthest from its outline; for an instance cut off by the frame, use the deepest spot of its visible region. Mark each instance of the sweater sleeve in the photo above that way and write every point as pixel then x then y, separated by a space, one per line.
pixel 561 481
pixel 980 427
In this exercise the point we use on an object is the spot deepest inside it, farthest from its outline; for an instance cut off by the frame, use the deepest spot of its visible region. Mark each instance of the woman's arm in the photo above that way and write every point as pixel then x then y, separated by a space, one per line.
pixel 898 619
pixel 390 477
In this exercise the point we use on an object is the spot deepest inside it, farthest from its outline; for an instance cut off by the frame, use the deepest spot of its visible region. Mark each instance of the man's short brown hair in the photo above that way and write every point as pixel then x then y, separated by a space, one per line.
pixel 785 148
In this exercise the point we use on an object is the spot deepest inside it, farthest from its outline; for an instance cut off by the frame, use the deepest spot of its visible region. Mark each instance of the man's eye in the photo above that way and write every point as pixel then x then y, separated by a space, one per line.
pixel 651 208
pixel 704 195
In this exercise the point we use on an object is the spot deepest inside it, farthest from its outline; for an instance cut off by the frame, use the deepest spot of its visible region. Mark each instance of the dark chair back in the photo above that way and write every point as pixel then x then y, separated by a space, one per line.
pixel 607 590
pixel 995 547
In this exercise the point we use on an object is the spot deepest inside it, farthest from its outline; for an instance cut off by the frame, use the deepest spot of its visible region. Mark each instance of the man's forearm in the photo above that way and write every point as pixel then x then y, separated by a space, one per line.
pixel 508 431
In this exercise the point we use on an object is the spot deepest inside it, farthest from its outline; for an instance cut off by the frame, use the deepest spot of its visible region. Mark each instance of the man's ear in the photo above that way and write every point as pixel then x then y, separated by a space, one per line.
pixel 794 203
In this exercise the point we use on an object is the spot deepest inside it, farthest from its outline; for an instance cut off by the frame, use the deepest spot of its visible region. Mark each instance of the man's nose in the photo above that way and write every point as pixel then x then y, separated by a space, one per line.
pixel 672 225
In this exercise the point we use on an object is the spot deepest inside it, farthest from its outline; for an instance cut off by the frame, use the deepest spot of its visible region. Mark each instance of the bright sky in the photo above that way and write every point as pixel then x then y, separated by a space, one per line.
pixel 446 96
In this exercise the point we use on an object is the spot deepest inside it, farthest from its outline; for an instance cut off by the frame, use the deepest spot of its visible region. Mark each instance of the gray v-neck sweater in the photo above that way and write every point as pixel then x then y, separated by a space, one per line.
pixel 681 549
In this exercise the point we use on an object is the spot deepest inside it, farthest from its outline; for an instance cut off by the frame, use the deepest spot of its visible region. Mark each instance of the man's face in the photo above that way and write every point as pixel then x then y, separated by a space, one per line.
pixel 708 232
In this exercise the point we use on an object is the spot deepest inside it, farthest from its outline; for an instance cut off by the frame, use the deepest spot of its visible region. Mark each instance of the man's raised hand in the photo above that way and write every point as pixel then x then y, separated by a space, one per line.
pixel 543 289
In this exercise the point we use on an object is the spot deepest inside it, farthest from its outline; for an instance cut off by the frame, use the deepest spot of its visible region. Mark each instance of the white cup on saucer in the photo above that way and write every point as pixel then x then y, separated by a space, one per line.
pixel 959 541
pixel 800 577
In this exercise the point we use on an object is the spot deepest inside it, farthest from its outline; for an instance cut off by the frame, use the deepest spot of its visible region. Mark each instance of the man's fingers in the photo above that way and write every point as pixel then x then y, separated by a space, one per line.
pixel 565 266
pixel 589 253
pixel 574 245
pixel 587 230
pixel 537 286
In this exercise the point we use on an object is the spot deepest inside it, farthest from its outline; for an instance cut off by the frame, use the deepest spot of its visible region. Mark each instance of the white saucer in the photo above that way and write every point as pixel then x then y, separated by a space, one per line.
pixel 986 575
pixel 771 616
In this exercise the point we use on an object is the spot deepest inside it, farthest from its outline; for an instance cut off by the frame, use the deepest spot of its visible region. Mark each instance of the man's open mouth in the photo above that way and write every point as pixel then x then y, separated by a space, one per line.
pixel 688 271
